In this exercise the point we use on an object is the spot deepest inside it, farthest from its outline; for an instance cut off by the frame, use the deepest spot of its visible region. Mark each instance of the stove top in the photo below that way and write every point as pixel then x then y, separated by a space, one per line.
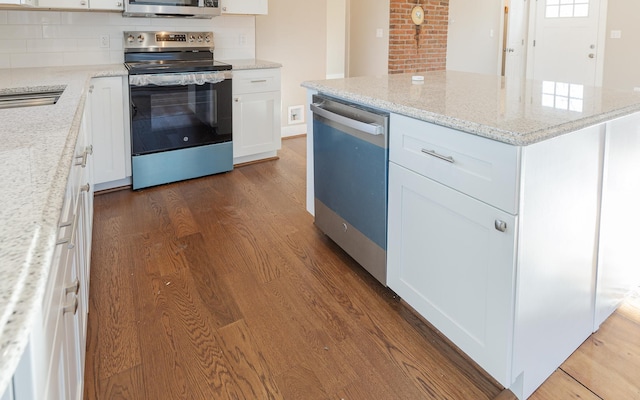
pixel 170 52
pixel 168 66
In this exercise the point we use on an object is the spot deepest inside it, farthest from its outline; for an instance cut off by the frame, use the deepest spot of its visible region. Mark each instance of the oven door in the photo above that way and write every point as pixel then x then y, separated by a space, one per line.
pixel 177 111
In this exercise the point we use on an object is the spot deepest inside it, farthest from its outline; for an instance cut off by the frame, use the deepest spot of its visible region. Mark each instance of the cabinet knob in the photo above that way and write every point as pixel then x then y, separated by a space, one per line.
pixel 237 99
pixel 500 225
pixel 119 4
pixel 224 8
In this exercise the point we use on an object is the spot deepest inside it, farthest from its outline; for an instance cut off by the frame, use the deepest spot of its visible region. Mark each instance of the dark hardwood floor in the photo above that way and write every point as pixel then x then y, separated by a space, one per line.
pixel 222 288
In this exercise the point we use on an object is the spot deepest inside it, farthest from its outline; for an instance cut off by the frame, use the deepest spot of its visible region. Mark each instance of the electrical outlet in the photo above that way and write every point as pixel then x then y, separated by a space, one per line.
pixel 296 114
pixel 104 41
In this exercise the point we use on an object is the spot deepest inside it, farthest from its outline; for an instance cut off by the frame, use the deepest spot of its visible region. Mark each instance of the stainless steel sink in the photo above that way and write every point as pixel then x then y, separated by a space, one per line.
pixel 30 99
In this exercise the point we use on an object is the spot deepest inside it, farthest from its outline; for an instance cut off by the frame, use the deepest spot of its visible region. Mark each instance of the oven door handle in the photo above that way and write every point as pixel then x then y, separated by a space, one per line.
pixel 178 79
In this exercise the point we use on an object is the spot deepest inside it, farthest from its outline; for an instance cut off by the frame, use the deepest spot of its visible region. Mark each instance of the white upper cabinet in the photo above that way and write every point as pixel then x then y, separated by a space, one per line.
pixel 18 3
pixel 245 6
pixel 106 4
pixel 75 4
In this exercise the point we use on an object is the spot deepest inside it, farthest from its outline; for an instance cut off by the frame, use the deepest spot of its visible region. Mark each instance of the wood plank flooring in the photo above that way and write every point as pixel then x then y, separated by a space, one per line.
pixel 222 288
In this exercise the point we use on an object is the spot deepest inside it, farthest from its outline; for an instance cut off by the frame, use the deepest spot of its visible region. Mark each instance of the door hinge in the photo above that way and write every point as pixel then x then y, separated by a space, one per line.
pixel 534 43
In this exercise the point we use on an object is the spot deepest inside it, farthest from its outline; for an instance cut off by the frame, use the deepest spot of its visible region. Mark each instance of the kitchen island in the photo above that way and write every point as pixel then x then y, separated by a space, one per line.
pixel 509 210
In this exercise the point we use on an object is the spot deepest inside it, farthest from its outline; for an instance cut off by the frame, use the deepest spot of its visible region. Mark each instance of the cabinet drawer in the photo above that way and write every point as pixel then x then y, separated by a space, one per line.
pixel 482 168
pixel 256 80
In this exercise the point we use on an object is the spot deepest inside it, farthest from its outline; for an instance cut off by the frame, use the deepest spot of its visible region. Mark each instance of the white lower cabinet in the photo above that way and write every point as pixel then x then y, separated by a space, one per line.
pixel 495 246
pixel 454 265
pixel 110 132
pixel 52 366
pixel 256 114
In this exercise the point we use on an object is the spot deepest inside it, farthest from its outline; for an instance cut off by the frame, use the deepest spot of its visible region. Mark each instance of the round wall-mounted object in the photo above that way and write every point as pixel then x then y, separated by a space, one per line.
pixel 417 15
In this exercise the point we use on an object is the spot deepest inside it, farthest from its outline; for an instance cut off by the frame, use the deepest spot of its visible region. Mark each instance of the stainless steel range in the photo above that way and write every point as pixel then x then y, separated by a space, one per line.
pixel 181 125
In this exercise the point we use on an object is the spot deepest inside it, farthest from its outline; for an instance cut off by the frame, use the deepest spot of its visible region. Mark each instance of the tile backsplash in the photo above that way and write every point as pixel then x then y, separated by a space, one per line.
pixel 58 38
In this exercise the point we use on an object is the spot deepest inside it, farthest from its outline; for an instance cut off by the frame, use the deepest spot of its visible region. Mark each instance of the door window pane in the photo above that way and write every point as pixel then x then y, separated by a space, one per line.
pixel 566 8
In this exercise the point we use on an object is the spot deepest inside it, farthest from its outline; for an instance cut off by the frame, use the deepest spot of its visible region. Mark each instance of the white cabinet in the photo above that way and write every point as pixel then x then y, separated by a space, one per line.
pixel 117 5
pixel 450 260
pixel 110 132
pixel 27 3
pixel 450 255
pixel 494 244
pixel 256 114
pixel 54 359
pixel 66 314
pixel 245 6
pixel 75 4
pixel 620 217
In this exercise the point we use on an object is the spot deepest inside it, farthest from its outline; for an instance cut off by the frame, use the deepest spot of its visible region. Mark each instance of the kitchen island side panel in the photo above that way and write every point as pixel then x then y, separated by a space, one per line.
pixel 557 252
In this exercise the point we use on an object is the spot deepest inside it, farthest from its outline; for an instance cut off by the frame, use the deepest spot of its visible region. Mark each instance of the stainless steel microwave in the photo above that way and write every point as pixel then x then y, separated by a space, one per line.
pixel 172 8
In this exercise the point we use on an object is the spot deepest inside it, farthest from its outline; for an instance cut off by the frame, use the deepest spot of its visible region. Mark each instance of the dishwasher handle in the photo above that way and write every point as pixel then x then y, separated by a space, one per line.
pixel 366 127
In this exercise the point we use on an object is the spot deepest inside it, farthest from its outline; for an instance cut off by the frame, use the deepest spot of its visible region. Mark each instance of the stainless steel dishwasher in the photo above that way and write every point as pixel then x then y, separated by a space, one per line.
pixel 350 151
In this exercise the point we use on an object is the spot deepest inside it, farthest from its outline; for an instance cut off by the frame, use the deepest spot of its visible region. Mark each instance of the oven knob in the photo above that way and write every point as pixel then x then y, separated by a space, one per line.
pixel 130 39
pixel 192 38
pixel 207 38
pixel 140 38
pixel 200 38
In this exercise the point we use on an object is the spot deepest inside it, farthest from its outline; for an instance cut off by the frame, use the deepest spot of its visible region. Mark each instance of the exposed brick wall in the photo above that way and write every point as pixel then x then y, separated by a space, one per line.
pixel 430 51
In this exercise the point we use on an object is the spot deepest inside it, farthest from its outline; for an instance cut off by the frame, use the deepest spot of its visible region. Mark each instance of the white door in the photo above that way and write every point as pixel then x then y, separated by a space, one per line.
pixel 566 41
pixel 514 50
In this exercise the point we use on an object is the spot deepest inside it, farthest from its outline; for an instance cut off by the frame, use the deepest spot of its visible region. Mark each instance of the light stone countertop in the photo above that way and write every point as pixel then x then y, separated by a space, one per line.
pixel 251 63
pixel 36 152
pixel 509 111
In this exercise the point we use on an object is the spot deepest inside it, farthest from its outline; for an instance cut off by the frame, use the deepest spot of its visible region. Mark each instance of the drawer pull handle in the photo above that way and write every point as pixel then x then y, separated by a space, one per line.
pixel 259 81
pixel 501 225
pixel 433 153
pixel 73 307
pixel 73 288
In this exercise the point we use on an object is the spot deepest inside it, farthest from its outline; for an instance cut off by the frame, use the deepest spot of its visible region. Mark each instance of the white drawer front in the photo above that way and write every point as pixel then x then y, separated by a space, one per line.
pixel 482 168
pixel 256 80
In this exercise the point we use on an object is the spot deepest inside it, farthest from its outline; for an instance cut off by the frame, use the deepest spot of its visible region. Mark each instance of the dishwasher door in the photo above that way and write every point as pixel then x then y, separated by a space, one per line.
pixel 350 150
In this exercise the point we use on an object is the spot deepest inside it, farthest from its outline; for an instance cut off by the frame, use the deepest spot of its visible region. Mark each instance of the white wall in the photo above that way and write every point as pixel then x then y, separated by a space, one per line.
pixel 474 40
pixel 59 38
pixel 294 33
pixel 336 38
pixel 368 55
pixel 622 63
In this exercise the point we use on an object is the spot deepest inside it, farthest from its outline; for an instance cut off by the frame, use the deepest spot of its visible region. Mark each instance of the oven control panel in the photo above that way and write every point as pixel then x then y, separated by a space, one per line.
pixel 136 40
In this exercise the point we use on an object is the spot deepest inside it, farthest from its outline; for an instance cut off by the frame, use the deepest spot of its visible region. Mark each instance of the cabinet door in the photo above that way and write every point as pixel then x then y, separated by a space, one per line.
pixel 256 123
pixel 449 259
pixel 245 6
pixel 73 319
pixel 106 5
pixel 76 4
pixel 108 130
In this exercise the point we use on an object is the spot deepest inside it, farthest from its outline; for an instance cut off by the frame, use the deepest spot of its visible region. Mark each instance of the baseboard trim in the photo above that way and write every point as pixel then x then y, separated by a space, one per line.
pixel 293 130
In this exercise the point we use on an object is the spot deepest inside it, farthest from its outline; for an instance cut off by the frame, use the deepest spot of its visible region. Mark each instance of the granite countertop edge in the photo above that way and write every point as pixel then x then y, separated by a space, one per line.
pixel 251 63
pixel 27 294
pixel 491 132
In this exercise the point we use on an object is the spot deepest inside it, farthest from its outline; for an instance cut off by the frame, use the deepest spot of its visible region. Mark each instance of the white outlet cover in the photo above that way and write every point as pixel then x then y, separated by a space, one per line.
pixel 616 34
